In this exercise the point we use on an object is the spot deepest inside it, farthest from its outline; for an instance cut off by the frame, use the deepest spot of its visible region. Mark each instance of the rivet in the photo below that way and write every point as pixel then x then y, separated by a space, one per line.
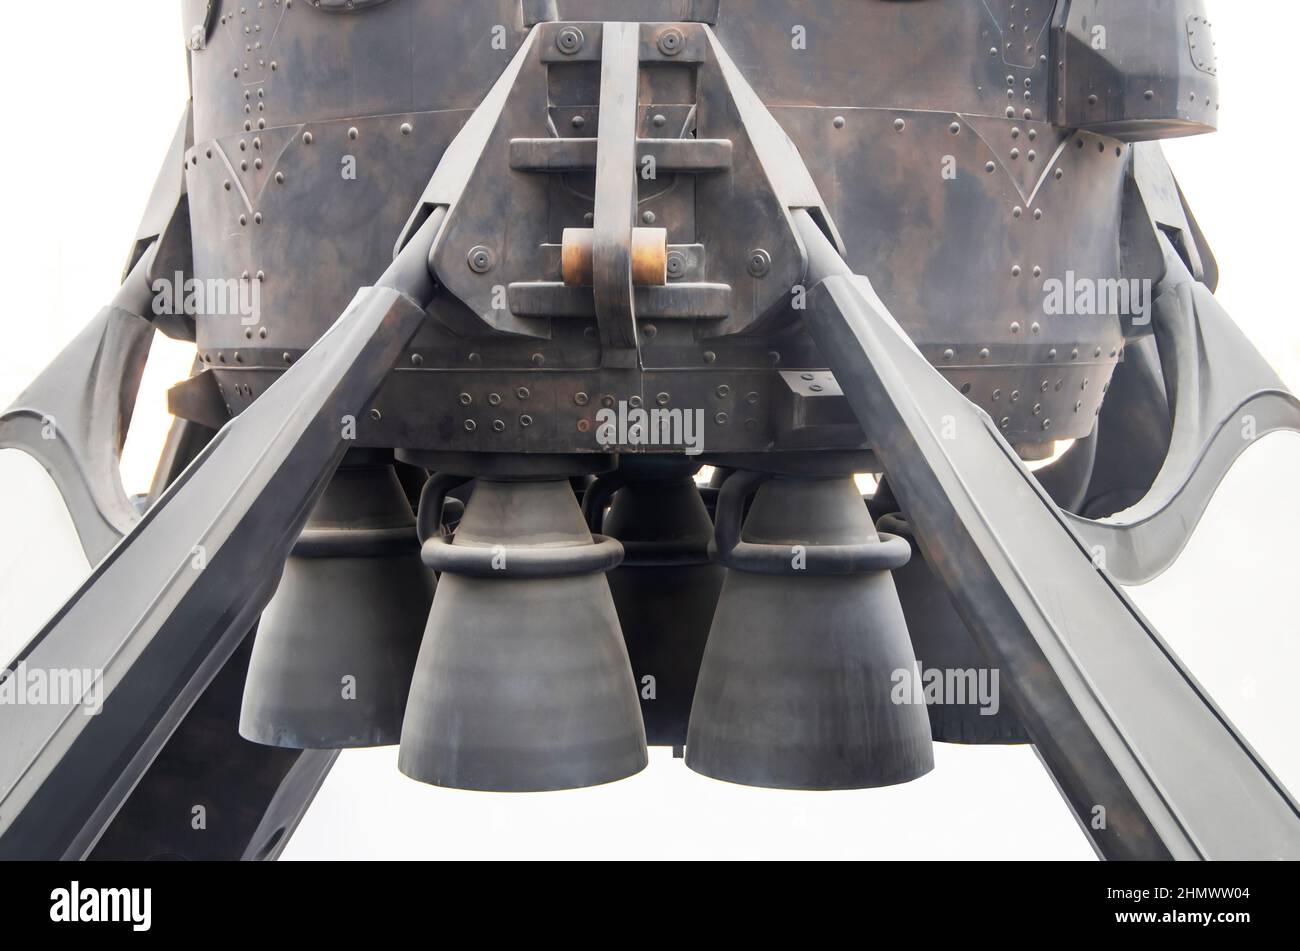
pixel 470 425
pixel 498 426
pixel 523 393
pixel 760 263
pixel 406 128
pixel 480 259
pixel 581 399
pixel 710 357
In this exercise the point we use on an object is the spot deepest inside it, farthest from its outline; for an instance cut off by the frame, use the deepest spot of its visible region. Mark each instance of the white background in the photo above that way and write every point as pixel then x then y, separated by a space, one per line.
pixel 94 95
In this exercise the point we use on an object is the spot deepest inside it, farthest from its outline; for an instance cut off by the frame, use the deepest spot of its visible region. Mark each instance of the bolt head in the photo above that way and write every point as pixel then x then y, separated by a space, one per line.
pixel 570 40
pixel 672 41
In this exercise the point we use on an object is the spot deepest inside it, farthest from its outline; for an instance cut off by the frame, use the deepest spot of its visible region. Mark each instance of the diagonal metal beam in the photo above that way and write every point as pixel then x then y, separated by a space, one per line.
pixel 162 613
pixel 1151 768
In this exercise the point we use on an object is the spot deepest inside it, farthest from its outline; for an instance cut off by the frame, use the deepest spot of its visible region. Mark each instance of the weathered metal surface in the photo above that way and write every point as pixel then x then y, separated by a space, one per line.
pixel 971 159
pixel 280 131
pixel 1126 731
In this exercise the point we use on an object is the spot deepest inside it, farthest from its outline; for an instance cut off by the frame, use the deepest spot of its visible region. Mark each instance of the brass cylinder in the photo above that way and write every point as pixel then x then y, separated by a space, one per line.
pixel 649 257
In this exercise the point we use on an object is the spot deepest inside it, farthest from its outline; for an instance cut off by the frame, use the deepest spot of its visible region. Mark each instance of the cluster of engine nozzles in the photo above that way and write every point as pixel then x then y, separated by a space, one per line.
pixel 547 655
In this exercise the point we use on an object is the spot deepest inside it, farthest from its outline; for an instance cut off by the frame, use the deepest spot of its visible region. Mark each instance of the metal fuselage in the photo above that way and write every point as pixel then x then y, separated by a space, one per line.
pixel 943 137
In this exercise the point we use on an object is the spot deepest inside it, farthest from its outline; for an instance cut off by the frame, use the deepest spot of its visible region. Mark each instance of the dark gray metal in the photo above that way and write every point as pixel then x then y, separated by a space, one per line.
pixel 523 683
pixel 942 644
pixel 665 590
pixel 336 647
pixel 1125 730
pixel 162 613
pixel 73 421
pixel 798 685
pixel 249 819
pixel 958 169
pixel 1222 396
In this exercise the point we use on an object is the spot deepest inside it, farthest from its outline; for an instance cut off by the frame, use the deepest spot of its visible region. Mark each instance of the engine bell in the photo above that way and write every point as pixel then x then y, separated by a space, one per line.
pixel 523 682
pixel 334 653
pixel 797 688
pixel 666 590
